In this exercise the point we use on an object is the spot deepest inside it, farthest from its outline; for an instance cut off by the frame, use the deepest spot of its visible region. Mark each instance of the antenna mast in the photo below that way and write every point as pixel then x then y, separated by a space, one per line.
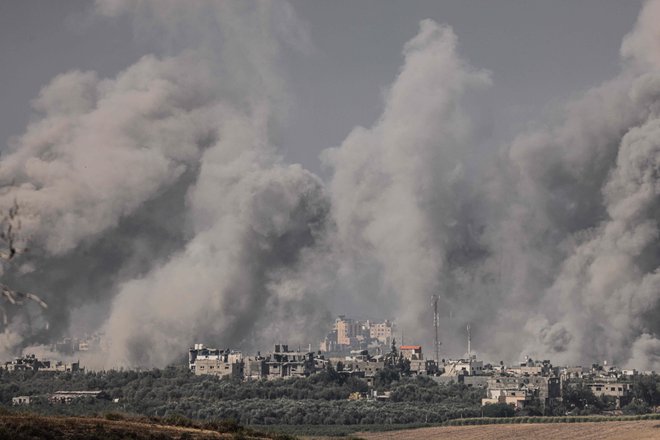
pixel 436 323
pixel 469 352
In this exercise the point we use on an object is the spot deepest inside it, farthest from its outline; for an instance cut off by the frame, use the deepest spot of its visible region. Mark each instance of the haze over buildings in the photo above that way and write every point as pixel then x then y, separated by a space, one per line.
pixel 164 206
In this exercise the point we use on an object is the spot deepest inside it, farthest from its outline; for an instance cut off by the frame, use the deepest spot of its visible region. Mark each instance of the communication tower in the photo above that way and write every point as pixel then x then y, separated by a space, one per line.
pixel 436 324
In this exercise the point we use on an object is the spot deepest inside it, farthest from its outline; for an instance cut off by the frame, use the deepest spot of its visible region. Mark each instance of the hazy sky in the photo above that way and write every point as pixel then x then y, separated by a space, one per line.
pixel 539 52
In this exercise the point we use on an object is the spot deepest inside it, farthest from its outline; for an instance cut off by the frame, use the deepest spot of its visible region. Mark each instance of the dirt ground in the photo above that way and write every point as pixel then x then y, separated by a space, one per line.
pixel 637 430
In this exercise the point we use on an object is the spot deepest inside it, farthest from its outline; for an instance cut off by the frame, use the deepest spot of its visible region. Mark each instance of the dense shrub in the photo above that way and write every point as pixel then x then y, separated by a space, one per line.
pixel 637 406
pixel 498 410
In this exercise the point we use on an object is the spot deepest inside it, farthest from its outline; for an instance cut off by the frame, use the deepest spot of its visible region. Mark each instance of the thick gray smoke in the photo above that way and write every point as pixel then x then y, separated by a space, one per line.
pixel 254 218
pixel 176 148
pixel 553 244
pixel 159 207
pixel 398 190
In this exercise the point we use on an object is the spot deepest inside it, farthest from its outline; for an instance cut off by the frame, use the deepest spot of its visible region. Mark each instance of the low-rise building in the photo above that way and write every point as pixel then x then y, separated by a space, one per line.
pixel 22 400
pixel 474 381
pixel 219 367
pixel 64 397
pixel 25 363
pixel 423 367
pixel 530 367
pixel 620 391
pixel 58 366
pixel 255 368
pixel 574 372
pixel 368 368
pixel 411 352
pixel 520 390
pixel 211 361
pixel 464 367
pixel 518 397
pixel 31 363
pixel 284 363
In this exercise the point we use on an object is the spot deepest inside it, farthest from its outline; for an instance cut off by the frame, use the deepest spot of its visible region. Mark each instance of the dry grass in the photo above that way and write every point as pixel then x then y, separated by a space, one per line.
pixel 637 430
pixel 34 426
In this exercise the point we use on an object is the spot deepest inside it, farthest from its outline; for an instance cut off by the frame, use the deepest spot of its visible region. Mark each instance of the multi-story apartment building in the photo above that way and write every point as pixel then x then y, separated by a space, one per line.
pixel 349 333
pixel 381 331
pixel 347 330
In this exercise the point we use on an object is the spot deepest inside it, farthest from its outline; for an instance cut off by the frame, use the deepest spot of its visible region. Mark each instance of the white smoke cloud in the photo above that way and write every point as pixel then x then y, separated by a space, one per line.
pixel 394 184
pixel 645 353
pixel 107 153
pixel 642 46
pixel 104 147
pixel 550 245
pixel 603 182
pixel 254 218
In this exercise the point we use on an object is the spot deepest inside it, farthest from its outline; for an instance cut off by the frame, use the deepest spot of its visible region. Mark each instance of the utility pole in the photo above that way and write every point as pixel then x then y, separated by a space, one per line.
pixel 436 324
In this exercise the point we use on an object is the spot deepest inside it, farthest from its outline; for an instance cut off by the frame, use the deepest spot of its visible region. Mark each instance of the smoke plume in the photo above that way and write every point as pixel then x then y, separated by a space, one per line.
pixel 166 178
pixel 550 242
pixel 161 211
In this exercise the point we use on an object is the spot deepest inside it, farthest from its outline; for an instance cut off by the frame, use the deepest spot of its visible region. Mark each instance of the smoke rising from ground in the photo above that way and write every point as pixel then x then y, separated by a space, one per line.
pixel 399 187
pixel 164 188
pixel 552 244
pixel 105 151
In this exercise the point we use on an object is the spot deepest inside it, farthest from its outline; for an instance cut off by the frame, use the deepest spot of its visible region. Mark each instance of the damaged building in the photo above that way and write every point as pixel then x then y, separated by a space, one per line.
pixel 31 363
pixel 280 363
pixel 212 361
pixel 285 363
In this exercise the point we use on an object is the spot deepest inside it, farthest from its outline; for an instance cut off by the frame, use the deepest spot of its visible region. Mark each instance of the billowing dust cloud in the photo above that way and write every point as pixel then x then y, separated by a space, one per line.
pixel 158 205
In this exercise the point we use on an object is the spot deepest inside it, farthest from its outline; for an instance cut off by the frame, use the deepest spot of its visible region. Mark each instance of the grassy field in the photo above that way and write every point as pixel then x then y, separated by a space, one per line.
pixel 24 426
pixel 635 430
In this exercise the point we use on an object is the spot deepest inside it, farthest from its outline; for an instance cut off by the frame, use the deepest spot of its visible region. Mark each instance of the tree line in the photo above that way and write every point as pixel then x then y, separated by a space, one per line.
pixel 319 399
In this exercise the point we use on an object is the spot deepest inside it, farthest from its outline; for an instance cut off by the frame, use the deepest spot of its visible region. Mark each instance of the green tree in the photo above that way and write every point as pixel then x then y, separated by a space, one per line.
pixel 579 396
pixel 498 410
pixel 647 388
